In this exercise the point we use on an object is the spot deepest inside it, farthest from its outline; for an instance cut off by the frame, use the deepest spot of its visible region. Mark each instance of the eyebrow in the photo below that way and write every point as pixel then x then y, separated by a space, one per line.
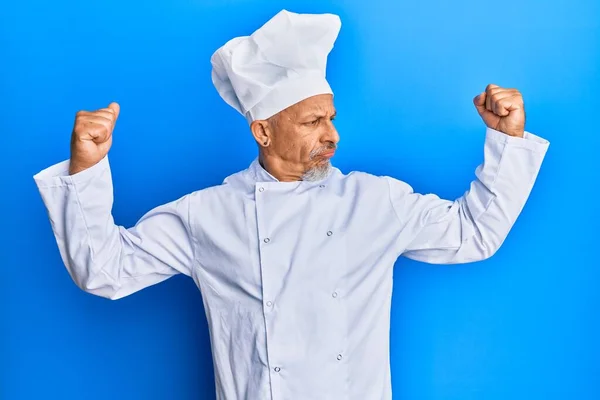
pixel 315 115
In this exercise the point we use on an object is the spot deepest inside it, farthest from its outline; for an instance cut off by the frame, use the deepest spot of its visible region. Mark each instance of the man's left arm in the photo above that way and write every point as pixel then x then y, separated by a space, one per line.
pixel 473 227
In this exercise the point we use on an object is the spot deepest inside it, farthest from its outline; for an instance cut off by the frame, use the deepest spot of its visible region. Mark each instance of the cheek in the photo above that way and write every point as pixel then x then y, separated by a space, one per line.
pixel 298 145
pixel 294 149
pixel 301 146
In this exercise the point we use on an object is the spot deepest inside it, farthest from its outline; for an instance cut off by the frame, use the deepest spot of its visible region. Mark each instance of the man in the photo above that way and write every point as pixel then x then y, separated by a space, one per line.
pixel 294 258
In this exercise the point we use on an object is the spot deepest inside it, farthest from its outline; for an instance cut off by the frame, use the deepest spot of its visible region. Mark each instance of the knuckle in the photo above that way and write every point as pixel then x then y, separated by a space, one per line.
pixel 108 115
pixel 79 126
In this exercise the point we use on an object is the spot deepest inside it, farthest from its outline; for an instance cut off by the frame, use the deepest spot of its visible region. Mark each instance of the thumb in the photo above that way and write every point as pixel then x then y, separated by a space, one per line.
pixel 116 108
pixel 479 102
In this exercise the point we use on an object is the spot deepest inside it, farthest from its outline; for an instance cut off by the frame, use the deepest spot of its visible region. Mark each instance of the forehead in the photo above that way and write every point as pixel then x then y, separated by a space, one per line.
pixel 322 103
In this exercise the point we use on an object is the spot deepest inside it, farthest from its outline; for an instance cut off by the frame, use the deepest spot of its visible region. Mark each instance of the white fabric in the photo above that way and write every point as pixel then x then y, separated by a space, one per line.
pixel 279 65
pixel 296 277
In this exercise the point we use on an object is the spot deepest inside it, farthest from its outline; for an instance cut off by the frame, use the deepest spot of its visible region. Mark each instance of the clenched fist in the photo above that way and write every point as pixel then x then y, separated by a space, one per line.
pixel 92 137
pixel 502 109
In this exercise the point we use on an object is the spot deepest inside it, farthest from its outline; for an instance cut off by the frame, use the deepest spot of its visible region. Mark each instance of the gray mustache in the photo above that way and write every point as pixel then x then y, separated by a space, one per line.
pixel 321 150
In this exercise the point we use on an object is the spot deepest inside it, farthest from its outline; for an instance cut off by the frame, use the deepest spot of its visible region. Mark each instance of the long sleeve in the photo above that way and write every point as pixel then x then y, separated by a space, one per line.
pixel 474 226
pixel 101 257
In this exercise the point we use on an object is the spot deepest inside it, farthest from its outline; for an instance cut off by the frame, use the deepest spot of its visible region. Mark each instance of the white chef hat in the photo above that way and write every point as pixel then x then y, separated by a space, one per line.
pixel 280 64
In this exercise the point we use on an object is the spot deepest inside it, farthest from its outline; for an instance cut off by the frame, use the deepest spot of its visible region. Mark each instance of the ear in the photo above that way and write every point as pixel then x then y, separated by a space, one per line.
pixel 261 133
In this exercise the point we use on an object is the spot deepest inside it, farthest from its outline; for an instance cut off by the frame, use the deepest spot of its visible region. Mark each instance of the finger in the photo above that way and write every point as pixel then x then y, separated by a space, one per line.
pixel 497 89
pixel 490 87
pixel 116 109
pixel 83 113
pixel 99 120
pixel 495 99
pixel 488 102
pixel 99 132
pixel 489 90
pixel 508 104
pixel 105 113
pixel 96 129
pixel 499 109
pixel 479 102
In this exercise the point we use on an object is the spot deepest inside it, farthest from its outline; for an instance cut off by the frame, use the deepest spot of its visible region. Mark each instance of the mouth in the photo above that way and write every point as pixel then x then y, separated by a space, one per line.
pixel 327 154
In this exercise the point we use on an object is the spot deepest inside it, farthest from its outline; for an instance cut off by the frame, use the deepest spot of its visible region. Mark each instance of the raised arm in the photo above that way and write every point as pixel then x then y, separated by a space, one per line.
pixel 103 258
pixel 473 227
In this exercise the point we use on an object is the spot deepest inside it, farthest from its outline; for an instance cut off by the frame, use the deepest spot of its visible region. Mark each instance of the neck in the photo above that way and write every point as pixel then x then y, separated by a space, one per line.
pixel 282 170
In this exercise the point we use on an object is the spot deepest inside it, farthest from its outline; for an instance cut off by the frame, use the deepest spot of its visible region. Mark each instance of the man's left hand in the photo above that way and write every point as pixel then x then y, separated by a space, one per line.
pixel 502 109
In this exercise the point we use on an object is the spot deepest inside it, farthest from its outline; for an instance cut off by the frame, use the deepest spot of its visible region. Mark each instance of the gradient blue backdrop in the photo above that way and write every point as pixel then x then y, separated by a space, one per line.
pixel 522 325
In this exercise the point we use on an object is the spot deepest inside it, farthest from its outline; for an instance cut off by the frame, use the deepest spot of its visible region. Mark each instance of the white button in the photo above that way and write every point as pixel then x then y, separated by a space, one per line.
pixel 321 186
pixel 267 240
pixel 329 233
pixel 334 294
pixel 339 357
pixel 277 369
pixel 269 303
pixel 261 189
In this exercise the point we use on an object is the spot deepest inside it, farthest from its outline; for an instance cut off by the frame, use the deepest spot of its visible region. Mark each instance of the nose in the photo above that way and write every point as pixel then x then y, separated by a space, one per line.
pixel 331 134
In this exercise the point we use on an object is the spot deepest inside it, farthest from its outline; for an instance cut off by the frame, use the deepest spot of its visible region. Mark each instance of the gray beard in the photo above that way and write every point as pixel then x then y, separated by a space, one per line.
pixel 317 172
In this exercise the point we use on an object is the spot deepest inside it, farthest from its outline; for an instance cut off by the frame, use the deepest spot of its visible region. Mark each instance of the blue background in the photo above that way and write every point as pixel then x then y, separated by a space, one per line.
pixel 522 325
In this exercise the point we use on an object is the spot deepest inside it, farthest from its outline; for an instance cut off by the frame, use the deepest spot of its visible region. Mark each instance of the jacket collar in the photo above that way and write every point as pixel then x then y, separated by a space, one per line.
pixel 259 174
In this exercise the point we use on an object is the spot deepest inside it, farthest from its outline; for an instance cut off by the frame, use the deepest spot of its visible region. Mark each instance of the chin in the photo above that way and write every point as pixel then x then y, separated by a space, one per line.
pixel 318 171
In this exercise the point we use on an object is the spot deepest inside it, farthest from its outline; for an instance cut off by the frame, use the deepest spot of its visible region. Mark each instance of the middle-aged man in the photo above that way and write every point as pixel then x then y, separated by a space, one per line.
pixel 293 257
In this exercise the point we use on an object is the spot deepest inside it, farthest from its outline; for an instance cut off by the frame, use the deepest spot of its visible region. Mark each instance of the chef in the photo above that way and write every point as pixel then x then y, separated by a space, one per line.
pixel 294 258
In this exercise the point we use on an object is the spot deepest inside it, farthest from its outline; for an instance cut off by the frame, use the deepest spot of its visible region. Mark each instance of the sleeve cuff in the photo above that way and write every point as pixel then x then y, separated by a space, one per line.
pixel 58 174
pixel 528 141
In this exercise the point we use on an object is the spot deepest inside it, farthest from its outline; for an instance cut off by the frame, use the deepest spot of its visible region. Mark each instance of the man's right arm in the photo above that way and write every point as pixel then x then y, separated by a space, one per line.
pixel 103 258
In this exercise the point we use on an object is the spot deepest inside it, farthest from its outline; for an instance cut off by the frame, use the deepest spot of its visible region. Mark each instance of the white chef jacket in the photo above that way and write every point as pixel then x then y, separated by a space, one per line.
pixel 296 277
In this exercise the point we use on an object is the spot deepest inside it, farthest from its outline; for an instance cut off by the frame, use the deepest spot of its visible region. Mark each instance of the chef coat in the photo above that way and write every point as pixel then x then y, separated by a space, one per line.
pixel 296 277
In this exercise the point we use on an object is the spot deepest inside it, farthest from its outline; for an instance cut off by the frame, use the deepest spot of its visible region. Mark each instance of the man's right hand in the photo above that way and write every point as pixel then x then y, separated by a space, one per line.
pixel 92 137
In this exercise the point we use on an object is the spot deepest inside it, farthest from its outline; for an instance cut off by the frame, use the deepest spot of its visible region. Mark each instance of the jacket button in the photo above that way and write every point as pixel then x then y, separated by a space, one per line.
pixel 329 233
pixel 261 189
pixel 266 240
pixel 277 369
pixel 339 357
